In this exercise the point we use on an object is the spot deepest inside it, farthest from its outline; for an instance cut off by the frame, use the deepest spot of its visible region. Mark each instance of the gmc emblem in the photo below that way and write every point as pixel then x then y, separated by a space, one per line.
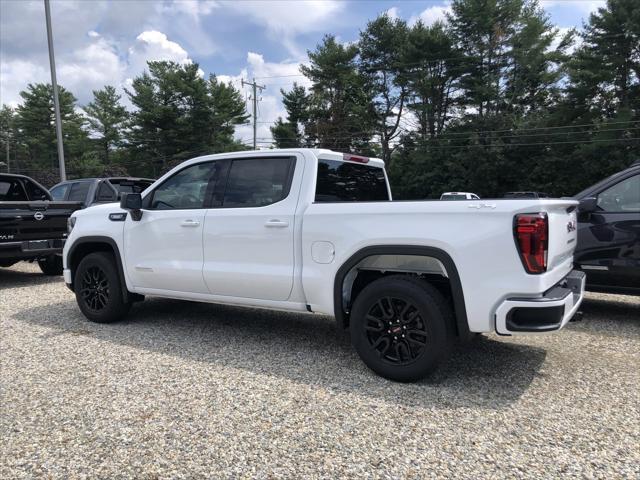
pixel 571 226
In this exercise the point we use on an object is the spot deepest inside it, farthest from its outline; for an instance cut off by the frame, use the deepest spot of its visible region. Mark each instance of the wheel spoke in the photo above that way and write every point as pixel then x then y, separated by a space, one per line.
pixel 396 342
pixel 94 288
pixel 379 324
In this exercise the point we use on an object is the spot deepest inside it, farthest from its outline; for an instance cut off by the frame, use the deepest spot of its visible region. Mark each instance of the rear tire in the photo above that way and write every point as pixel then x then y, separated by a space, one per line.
pixel 401 327
pixel 51 265
pixel 98 288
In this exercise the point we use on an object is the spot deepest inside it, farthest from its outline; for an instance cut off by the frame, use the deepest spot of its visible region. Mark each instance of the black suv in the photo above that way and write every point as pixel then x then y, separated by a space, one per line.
pixel 90 191
pixel 608 248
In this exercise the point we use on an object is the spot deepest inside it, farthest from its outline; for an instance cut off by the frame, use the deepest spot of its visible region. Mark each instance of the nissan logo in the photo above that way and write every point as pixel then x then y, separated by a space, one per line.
pixel 38 216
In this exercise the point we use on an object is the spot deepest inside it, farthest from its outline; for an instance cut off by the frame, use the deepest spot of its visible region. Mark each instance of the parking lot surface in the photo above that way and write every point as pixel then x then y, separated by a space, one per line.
pixel 188 390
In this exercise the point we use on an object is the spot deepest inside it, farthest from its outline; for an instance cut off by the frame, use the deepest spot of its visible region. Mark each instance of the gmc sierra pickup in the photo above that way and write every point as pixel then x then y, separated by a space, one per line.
pixel 316 231
pixel 32 226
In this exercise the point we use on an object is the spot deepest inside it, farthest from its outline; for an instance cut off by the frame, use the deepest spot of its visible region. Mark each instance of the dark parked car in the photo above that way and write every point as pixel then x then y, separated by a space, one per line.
pixel 32 226
pixel 609 233
pixel 90 191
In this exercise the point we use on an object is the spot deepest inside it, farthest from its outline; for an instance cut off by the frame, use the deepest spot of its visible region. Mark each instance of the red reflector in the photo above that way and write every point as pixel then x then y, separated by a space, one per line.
pixel 347 157
pixel 532 237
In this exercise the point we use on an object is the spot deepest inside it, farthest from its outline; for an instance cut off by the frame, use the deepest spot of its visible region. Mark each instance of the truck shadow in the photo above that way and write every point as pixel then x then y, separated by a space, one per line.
pixel 306 349
pixel 11 278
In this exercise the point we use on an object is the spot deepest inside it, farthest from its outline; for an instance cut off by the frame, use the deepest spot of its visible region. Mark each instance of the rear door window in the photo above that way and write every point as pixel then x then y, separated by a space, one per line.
pixel 350 182
pixel 257 182
pixel 78 191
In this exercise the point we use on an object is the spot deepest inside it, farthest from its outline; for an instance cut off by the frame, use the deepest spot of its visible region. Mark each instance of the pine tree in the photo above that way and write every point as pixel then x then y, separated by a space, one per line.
pixel 106 117
pixel 339 115
pixel 289 133
pixel 382 65
pixel 36 124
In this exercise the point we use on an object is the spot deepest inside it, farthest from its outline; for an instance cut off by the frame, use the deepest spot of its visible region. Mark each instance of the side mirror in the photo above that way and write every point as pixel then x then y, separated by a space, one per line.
pixel 588 205
pixel 133 203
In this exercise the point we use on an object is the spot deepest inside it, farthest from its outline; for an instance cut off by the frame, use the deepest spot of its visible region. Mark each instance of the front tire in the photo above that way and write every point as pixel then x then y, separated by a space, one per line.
pixel 98 288
pixel 401 327
pixel 51 265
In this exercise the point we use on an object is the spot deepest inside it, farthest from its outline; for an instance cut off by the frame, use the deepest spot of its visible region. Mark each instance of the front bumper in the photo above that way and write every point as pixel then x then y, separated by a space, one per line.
pixel 547 313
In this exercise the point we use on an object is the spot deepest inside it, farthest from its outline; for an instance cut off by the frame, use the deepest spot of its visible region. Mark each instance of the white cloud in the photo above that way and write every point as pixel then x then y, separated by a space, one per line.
pixel 584 6
pixel 12 75
pixel 91 68
pixel 194 8
pixel 431 15
pixel 274 76
pixel 154 45
pixel 286 19
pixel 393 13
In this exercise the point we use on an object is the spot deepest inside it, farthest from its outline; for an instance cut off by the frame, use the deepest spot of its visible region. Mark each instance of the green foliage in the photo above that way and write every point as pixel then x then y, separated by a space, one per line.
pixel 433 67
pixel 382 65
pixel 35 126
pixel 179 115
pixel 106 117
pixel 339 115
pixel 289 133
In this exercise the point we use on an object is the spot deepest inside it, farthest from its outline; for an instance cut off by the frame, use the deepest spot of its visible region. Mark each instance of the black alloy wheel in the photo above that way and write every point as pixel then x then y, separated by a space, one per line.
pixel 94 288
pixel 402 327
pixel 396 330
pixel 100 292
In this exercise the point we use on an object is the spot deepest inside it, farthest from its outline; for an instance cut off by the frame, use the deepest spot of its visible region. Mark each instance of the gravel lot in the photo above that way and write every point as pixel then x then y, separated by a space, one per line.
pixel 187 390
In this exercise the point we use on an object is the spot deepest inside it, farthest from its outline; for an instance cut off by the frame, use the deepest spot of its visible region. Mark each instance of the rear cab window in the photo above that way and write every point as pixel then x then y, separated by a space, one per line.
pixel 339 181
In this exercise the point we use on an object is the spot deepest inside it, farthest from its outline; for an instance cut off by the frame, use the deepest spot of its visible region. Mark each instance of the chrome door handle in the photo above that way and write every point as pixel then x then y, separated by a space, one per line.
pixel 276 224
pixel 190 223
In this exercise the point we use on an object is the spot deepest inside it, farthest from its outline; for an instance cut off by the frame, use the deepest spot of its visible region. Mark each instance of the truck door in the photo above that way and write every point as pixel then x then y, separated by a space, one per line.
pixel 249 238
pixel 163 250
pixel 609 238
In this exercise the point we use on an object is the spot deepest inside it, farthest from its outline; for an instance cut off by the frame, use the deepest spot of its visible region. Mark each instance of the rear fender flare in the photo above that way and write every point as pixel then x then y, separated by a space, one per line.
pixel 460 312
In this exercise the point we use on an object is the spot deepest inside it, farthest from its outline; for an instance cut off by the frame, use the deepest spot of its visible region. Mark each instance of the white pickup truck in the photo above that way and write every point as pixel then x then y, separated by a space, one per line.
pixel 316 231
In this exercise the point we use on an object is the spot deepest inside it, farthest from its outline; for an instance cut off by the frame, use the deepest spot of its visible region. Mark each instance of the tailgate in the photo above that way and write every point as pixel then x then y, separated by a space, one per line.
pixel 35 220
pixel 563 232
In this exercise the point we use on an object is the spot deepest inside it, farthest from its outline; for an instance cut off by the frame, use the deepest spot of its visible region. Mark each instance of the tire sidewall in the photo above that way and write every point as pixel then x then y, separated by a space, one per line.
pixel 437 336
pixel 115 307
pixel 51 265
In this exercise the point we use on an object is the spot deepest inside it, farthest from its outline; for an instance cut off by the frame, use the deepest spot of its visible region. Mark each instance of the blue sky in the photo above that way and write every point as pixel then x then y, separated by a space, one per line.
pixel 100 42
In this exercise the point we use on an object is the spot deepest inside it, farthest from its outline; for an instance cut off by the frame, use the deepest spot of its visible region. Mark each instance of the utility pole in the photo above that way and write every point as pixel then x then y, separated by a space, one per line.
pixel 8 163
pixel 54 84
pixel 255 87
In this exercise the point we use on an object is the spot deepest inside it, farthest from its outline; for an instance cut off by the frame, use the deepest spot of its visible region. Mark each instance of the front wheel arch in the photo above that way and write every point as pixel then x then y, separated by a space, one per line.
pixel 87 245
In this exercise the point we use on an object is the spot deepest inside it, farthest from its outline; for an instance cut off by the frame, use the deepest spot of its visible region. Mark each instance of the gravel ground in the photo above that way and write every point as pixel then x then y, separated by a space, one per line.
pixel 187 390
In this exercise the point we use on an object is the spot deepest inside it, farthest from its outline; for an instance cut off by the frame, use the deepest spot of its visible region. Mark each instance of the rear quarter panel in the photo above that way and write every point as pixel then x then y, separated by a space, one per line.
pixel 480 242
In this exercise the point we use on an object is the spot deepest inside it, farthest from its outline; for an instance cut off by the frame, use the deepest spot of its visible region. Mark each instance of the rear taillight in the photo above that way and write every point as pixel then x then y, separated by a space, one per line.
pixel 532 237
